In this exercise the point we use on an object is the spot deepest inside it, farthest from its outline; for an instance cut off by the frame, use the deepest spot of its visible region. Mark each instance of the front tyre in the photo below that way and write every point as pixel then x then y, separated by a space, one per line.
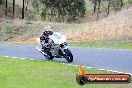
pixel 68 55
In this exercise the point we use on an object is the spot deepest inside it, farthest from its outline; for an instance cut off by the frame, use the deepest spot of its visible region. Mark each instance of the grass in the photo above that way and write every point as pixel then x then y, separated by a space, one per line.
pixel 16 73
pixel 88 45
pixel 99 45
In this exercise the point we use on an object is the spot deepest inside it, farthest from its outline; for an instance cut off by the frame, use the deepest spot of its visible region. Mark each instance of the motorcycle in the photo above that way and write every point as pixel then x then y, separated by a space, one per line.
pixel 58 48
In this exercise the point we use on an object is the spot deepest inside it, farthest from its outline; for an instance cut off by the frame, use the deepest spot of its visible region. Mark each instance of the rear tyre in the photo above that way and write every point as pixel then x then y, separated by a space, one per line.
pixel 68 55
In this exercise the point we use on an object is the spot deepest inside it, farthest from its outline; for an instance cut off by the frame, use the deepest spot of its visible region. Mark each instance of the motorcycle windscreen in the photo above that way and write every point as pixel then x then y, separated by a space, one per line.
pixel 58 38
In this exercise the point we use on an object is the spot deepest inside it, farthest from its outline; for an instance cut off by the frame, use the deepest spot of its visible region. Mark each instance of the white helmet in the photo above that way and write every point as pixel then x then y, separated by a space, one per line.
pixel 48 28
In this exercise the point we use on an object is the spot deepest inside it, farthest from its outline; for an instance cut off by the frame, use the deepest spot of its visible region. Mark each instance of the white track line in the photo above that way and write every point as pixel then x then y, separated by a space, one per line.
pixel 108 70
pixel 120 72
pixel 23 58
pixel 102 69
pixel 31 59
pixel 76 65
pixel 84 66
pixel 6 56
pixel 62 63
pixel 127 73
pixel 88 67
pixel 70 64
pixel 14 57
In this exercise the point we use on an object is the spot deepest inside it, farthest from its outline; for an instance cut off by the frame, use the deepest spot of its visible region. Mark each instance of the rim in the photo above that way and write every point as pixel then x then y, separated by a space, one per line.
pixel 68 58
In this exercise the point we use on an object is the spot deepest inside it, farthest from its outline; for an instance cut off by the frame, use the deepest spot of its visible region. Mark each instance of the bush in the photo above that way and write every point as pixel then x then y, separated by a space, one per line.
pixel 116 4
pixel 130 1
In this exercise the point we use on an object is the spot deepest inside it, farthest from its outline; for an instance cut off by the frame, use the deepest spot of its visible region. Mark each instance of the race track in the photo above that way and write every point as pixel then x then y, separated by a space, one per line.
pixel 119 60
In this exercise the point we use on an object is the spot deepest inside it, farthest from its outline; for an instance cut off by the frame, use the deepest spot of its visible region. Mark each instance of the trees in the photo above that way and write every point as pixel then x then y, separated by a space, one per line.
pixel 99 1
pixel 13 7
pixel 23 6
pixel 96 4
pixel 121 3
pixel 7 9
pixel 129 1
pixel 36 5
pixel 1 1
pixel 111 4
pixel 63 9
pixel 116 4
pixel 108 7
pixel 6 3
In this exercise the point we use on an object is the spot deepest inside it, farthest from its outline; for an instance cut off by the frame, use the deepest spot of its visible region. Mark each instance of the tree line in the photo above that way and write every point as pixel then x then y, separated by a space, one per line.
pixel 13 7
pixel 114 4
pixel 59 9
pixel 69 10
pixel 63 9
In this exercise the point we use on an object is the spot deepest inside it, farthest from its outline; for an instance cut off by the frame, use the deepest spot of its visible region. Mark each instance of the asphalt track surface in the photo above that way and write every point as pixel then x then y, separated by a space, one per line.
pixel 118 60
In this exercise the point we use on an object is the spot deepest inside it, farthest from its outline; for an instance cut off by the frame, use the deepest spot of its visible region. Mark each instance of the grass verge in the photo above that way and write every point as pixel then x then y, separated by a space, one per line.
pixel 83 44
pixel 16 73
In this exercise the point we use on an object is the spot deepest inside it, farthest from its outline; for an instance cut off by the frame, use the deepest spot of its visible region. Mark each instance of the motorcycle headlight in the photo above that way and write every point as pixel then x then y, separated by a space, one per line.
pixel 65 43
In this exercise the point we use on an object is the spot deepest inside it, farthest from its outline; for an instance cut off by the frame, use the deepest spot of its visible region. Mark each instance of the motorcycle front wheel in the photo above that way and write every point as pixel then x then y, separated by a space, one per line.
pixel 68 55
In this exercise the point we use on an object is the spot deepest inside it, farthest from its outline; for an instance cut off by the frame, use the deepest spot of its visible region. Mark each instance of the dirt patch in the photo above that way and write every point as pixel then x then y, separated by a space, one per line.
pixel 31 41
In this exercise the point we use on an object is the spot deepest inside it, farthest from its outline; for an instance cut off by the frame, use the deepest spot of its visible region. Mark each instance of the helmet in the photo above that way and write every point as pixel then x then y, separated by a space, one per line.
pixel 48 30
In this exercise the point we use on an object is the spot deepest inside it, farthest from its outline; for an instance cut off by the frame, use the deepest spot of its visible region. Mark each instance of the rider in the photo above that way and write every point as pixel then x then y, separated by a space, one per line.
pixel 44 38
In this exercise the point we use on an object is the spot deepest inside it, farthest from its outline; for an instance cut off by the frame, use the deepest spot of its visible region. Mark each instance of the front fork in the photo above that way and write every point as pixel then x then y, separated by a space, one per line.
pixel 62 50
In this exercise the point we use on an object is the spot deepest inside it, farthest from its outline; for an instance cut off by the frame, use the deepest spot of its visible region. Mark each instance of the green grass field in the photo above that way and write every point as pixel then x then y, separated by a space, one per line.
pixel 16 73
pixel 99 44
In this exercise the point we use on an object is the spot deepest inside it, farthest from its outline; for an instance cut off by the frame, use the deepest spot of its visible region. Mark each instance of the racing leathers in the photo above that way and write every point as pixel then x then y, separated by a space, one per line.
pixel 45 41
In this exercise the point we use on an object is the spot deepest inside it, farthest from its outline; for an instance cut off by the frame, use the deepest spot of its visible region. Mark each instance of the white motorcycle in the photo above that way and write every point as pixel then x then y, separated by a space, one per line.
pixel 58 49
